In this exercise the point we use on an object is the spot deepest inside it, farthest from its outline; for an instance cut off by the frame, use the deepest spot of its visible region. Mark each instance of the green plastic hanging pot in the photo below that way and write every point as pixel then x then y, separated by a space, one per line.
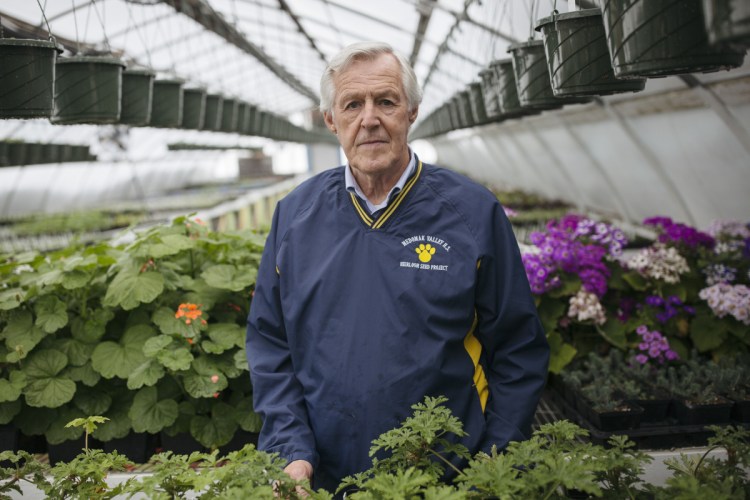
pixel 727 21
pixel 50 153
pixel 228 115
pixel 250 120
pixel 578 56
pixel 137 96
pixel 34 153
pixel 489 92
pixel 476 101
pixel 27 76
pixel 262 123
pixel 507 93
pixel 80 153
pixel 4 161
pixel 242 113
pixel 533 79
pixel 88 89
pixel 655 38
pixel 213 112
pixel 193 108
pixel 465 103
pixel 166 108
pixel 66 152
pixel 16 153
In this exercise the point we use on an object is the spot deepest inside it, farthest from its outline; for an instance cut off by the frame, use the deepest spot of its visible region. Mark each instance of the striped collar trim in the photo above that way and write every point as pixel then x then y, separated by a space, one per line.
pixel 391 208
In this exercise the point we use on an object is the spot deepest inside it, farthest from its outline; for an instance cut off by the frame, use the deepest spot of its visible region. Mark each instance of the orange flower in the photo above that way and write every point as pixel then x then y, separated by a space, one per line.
pixel 215 379
pixel 189 312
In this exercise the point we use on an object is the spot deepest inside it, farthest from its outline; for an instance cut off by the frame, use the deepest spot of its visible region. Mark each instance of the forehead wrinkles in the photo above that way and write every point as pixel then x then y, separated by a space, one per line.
pixel 369 78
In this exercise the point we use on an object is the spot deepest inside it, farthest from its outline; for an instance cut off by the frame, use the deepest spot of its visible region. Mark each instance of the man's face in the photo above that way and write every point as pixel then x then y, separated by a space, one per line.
pixel 371 115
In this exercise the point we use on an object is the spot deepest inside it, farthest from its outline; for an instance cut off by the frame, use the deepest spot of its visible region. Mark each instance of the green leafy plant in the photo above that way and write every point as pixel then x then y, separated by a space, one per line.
pixel 21 467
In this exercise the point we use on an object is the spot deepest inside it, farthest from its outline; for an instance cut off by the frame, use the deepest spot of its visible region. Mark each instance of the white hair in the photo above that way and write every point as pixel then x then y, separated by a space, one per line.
pixel 367 51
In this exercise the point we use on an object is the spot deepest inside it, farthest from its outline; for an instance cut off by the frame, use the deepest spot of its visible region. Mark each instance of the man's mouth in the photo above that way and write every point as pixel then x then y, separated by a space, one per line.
pixel 371 142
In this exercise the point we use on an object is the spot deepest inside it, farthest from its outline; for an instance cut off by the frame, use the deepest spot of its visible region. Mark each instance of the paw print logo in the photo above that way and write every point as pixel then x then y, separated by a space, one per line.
pixel 425 252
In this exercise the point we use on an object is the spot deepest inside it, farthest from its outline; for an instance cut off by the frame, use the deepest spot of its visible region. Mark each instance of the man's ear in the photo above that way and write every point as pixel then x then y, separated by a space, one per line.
pixel 328 118
pixel 413 114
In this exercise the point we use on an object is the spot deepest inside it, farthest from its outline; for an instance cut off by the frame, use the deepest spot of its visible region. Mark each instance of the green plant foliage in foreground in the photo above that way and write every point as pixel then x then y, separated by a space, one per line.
pixel 555 463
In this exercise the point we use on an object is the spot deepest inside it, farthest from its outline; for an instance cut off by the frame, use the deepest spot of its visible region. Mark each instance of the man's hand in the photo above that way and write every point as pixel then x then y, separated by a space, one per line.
pixel 299 470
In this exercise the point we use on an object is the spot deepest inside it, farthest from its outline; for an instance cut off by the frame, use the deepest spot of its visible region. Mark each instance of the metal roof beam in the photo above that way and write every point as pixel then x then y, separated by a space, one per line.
pixel 204 14
pixel 425 14
pixel 285 7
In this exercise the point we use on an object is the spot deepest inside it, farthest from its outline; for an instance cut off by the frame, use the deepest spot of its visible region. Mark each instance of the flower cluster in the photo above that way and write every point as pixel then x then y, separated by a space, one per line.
pixel 190 312
pixel 729 228
pixel 564 247
pixel 719 273
pixel 725 299
pixel 668 308
pixel 653 346
pixel 674 232
pixel 585 306
pixel 604 234
pixel 660 263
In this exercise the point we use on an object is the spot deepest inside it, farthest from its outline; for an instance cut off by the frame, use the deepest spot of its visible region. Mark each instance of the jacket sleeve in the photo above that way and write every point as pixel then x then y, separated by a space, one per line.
pixel 516 352
pixel 277 393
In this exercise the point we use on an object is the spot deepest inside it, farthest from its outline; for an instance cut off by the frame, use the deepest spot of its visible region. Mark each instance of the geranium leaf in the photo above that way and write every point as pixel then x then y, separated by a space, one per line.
pixel 561 353
pixel 148 414
pixel 229 277
pixel 176 359
pixel 246 417
pixel 216 430
pixel 147 374
pixel 130 288
pixel 93 328
pixel 46 386
pixel 227 335
pixel 113 359
pixel 165 319
pixel 11 298
pixel 73 280
pixel 92 401
pixel 21 335
pixel 10 388
pixel 57 432
pixel 84 374
pixel 8 410
pixel 707 333
pixel 118 425
pixel 35 421
pixel 155 345
pixel 205 380
pixel 77 352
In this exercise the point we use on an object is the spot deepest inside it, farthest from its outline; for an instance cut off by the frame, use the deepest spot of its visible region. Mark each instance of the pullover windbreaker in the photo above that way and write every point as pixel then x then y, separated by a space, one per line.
pixel 355 318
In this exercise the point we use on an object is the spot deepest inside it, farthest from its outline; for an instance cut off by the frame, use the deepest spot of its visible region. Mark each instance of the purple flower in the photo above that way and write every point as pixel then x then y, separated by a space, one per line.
pixel 642 330
pixel 641 358
pixel 671 355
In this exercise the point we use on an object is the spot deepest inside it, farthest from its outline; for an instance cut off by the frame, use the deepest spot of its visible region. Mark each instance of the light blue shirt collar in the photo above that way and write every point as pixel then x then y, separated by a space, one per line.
pixel 352 186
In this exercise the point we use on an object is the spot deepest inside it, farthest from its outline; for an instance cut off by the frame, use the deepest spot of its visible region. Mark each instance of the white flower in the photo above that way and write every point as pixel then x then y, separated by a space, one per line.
pixel 585 306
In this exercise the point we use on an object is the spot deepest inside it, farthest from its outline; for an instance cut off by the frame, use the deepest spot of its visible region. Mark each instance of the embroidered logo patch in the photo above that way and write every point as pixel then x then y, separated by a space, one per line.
pixel 431 253
pixel 425 252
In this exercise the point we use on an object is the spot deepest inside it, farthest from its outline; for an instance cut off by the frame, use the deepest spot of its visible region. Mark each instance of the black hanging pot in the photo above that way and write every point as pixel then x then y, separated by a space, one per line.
pixel 137 96
pixel 244 115
pixel 4 162
pixel 655 38
pixel 34 153
pixel 489 92
pixel 166 108
pixel 193 108
pixel 27 76
pixel 533 79
pixel 578 56
pixel 50 153
pixel 727 21
pixel 250 120
pixel 229 115
pixel 507 93
pixel 16 153
pixel 476 102
pixel 464 101
pixel 213 112
pixel 88 89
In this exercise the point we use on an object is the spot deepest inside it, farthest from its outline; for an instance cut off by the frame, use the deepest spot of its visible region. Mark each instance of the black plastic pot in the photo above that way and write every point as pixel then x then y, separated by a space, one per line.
pixel 654 410
pixel 16 153
pixel 507 93
pixel 693 414
pixel 166 108
pixel 193 108
pixel 9 437
pixel 741 411
pixel 137 96
pixel 34 153
pixel 213 112
pixel 727 21
pixel 476 102
pixel 626 418
pixel 138 447
pixel 249 125
pixel 27 77
pixel 88 89
pixel 243 114
pixel 651 38
pixel 50 153
pixel 578 57
pixel 490 93
pixel 533 79
pixel 229 115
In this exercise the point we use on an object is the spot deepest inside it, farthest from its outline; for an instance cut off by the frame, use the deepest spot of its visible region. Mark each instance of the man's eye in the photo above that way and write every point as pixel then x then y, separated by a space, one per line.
pixel 386 102
pixel 351 105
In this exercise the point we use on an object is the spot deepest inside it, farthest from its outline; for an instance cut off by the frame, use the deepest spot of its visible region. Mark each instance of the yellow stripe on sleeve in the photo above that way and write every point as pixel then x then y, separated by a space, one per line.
pixel 474 348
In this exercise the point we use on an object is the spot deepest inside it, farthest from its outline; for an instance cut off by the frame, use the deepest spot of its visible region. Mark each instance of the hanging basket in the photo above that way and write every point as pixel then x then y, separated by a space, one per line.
pixel 655 38
pixel 194 108
pixel 250 120
pixel 507 93
pixel 50 153
pixel 34 153
pixel 242 117
pixel 464 102
pixel 214 106
pixel 27 76
pixel 229 115
pixel 88 89
pixel 578 57
pixel 166 108
pixel 727 21
pixel 489 92
pixel 476 102
pixel 137 96
pixel 532 77
pixel 16 153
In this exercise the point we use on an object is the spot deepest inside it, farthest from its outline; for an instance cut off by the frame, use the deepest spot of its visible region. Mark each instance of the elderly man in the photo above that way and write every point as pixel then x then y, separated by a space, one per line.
pixel 383 281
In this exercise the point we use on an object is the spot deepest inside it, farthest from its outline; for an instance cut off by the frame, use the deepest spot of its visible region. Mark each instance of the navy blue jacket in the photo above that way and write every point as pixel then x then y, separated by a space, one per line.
pixel 356 318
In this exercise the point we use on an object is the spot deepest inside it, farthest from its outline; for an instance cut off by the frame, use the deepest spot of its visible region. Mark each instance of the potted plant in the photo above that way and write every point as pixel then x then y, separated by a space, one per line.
pixel 658 38
pixel 214 109
pixel 166 107
pixel 228 115
pixel 137 96
pixel 578 56
pixel 194 108
pixel 696 401
pixel 88 89
pixel 28 76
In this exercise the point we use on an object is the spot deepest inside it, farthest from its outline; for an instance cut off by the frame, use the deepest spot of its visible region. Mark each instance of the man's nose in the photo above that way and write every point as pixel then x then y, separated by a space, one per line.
pixel 370 115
